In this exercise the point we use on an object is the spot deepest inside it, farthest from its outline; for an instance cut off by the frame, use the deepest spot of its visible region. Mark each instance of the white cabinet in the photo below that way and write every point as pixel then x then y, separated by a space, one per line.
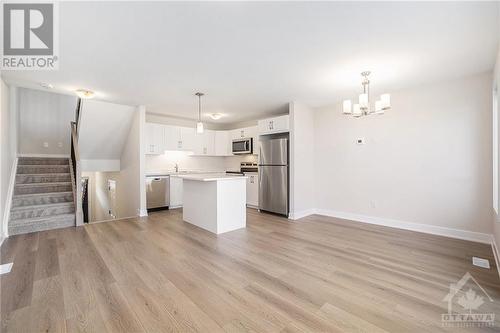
pixel 154 139
pixel 204 143
pixel 252 189
pixel 246 132
pixel 210 143
pixel 171 135
pixel 186 138
pixel 222 143
pixel 178 138
pixel 274 125
pixel 175 192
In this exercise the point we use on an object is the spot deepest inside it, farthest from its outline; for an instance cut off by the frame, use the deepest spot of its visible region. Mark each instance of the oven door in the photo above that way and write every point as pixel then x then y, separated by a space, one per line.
pixel 242 146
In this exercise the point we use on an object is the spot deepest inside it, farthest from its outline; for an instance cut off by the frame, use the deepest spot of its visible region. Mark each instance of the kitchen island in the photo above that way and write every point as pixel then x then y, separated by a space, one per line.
pixel 214 202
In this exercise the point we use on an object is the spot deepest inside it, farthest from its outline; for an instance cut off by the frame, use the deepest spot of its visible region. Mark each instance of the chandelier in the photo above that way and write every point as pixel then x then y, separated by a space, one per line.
pixel 363 107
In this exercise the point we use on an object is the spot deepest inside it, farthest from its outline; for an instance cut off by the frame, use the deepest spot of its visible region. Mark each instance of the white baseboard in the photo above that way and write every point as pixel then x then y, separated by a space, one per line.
pixel 110 220
pixel 44 155
pixel 143 212
pixel 494 247
pixel 425 228
pixel 8 201
pixel 301 214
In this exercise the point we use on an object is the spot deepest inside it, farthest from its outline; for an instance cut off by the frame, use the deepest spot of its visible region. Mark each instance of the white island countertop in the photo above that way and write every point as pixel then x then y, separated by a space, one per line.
pixel 210 177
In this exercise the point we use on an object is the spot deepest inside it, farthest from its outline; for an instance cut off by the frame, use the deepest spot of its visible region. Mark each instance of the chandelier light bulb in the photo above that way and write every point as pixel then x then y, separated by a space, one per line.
pixel 363 101
pixel 386 101
pixel 347 106
pixel 356 110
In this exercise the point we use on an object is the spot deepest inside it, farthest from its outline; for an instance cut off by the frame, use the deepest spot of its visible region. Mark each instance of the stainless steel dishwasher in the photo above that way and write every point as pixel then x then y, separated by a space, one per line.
pixel 157 192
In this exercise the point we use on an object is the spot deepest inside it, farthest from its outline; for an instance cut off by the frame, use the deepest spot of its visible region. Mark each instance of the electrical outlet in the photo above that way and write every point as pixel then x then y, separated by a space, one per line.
pixel 373 204
pixel 45 145
pixel 60 144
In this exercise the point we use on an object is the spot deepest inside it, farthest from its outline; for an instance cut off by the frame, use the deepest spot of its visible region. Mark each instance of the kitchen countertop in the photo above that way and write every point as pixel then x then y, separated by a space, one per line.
pixel 208 177
pixel 180 173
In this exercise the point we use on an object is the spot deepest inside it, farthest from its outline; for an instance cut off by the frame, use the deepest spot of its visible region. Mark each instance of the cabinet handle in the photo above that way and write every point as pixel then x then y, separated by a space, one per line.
pixel 242 133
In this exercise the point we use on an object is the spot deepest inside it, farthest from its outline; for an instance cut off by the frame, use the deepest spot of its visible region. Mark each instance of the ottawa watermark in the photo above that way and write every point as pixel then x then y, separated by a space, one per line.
pixel 464 301
pixel 30 38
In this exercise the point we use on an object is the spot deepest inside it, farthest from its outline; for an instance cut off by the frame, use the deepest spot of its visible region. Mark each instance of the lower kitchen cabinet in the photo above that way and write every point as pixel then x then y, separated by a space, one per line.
pixel 252 189
pixel 175 192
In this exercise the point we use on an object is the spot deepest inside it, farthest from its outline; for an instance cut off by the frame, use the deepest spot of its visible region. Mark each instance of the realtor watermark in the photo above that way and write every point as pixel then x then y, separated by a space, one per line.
pixel 464 301
pixel 30 38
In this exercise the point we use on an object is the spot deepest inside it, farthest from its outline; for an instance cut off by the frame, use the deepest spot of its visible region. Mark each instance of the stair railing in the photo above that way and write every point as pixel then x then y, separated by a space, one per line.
pixel 76 174
pixel 79 105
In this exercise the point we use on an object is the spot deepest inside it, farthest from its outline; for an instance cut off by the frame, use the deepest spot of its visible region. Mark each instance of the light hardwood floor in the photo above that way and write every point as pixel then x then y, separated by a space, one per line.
pixel 159 274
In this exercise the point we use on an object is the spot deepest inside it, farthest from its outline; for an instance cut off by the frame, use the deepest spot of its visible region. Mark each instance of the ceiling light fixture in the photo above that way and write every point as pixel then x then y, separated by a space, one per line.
pixel 46 85
pixel 362 108
pixel 215 116
pixel 199 124
pixel 83 93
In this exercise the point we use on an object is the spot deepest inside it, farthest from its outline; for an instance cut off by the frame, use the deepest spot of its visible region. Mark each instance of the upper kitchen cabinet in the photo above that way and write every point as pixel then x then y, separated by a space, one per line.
pixel 274 125
pixel 154 139
pixel 247 132
pixel 204 143
pixel 179 138
pixel 222 143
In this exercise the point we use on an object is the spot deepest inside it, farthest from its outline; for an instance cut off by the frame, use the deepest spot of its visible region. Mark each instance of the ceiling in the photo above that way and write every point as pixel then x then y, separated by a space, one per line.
pixel 252 58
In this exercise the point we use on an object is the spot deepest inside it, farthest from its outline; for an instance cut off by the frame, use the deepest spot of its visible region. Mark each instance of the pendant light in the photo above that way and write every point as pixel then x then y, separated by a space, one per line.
pixel 199 124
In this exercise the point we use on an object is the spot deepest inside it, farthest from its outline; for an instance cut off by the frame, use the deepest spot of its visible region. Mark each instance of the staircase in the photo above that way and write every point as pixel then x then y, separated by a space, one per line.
pixel 43 196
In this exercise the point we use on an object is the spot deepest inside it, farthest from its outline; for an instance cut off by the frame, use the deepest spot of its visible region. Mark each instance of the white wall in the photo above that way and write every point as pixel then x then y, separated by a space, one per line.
pixel 426 161
pixel 7 152
pixel 129 182
pixel 45 117
pixel 302 195
pixel 99 202
pixel 128 179
pixel 496 83
pixel 103 131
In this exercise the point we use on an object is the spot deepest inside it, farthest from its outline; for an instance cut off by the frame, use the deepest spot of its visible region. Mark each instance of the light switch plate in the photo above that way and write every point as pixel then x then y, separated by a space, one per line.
pixel 480 262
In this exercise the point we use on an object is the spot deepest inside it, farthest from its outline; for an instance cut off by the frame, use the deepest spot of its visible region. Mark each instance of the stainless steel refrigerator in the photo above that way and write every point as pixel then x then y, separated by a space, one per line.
pixel 273 175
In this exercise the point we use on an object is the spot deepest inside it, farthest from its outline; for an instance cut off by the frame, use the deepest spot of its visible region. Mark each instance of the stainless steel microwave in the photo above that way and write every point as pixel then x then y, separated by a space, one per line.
pixel 243 146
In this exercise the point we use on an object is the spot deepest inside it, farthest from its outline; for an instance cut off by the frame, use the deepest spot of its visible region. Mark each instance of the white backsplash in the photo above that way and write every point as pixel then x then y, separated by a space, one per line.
pixel 166 162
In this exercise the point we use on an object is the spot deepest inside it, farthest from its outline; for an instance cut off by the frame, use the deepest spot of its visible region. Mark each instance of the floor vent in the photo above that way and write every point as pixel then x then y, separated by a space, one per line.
pixel 480 262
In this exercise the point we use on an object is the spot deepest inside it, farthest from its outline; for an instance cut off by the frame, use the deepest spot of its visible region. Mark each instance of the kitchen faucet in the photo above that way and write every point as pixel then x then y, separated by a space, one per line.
pixel 176 167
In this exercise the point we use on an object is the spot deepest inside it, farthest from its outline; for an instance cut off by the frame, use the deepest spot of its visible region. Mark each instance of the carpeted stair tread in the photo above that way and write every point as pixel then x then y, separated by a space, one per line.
pixel 41 198
pixel 17 227
pixel 42 188
pixel 42 161
pixel 35 211
pixel 42 184
pixel 57 204
pixel 41 218
pixel 35 178
pixel 39 169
